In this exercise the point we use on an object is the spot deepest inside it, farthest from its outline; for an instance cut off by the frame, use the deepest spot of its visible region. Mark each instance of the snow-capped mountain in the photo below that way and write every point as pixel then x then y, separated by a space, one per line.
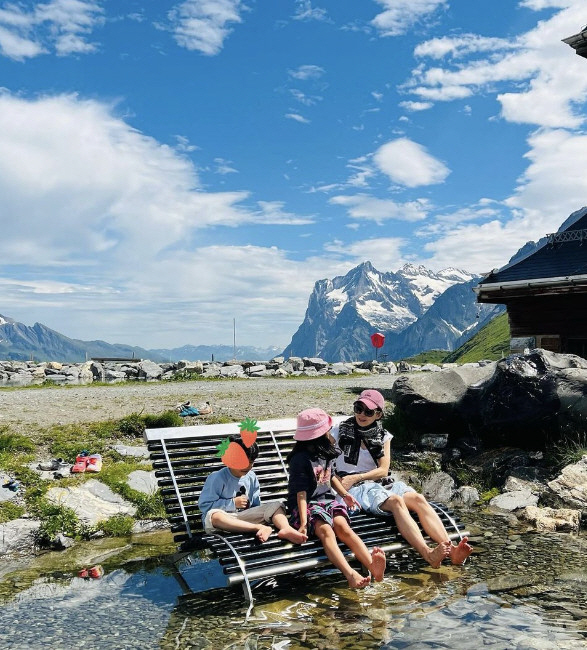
pixel 343 312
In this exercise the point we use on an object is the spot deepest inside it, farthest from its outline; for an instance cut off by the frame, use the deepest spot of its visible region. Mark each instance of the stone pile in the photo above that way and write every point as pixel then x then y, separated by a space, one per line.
pixel 24 373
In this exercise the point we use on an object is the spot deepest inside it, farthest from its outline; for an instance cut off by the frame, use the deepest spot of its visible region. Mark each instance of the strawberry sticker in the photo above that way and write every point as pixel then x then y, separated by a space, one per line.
pixel 248 428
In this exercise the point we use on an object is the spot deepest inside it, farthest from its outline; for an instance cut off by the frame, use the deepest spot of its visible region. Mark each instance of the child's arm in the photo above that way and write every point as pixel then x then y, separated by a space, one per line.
pixel 211 496
pixel 348 498
pixel 303 512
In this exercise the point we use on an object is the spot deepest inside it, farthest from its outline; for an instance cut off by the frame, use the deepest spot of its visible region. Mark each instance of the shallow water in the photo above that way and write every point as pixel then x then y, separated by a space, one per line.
pixel 519 590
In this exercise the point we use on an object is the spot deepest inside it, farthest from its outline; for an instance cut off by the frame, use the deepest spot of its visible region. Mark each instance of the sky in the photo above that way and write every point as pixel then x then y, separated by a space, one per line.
pixel 183 172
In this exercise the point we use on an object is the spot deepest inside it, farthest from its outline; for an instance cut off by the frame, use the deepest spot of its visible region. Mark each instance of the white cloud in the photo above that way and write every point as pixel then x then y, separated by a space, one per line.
pixel 202 25
pixel 408 163
pixel 297 118
pixel 399 15
pixel 385 253
pixel 305 11
pixel 305 72
pixel 370 208
pixel 538 80
pixel 416 106
pixel 62 25
pixel 462 45
pixel 111 226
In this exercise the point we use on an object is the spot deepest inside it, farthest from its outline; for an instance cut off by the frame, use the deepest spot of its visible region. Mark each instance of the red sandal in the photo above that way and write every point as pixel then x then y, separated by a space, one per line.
pixel 81 463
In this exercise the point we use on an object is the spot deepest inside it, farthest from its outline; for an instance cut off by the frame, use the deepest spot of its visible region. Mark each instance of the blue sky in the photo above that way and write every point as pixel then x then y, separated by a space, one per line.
pixel 169 168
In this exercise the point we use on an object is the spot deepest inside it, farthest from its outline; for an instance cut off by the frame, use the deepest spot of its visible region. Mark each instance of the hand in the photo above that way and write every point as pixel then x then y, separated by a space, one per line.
pixel 241 502
pixel 351 503
pixel 303 528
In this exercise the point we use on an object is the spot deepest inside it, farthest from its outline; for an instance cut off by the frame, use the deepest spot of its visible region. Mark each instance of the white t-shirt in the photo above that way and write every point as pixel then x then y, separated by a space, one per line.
pixel 365 462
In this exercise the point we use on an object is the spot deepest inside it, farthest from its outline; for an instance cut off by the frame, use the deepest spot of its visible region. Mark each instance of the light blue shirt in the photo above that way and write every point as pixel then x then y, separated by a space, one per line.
pixel 222 486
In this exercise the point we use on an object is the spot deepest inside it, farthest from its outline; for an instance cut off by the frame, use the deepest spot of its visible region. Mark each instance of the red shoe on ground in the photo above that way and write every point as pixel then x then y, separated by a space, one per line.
pixel 94 463
pixel 96 571
pixel 80 465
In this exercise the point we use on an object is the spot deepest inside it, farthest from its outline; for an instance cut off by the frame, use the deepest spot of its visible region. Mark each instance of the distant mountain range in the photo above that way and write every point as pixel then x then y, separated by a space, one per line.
pixel 41 343
pixel 414 308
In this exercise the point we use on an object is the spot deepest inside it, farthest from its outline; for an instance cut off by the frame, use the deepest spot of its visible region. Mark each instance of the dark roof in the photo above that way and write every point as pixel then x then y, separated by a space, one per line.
pixel 561 255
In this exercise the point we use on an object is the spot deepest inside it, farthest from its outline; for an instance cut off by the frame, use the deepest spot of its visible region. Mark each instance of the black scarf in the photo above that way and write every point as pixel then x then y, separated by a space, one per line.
pixel 351 436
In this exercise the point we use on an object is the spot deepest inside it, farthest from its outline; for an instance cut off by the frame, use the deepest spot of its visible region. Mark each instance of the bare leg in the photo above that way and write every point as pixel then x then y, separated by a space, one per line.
pixel 285 531
pixel 223 521
pixel 375 564
pixel 434 527
pixel 326 535
pixel 409 530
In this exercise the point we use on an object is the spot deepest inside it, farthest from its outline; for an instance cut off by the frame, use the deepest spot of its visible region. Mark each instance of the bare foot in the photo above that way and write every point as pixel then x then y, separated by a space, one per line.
pixel 460 552
pixel 263 533
pixel 292 535
pixel 436 555
pixel 378 564
pixel 357 581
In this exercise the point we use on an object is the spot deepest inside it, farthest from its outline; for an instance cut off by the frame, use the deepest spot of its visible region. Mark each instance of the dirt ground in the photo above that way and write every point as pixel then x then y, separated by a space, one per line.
pixel 32 409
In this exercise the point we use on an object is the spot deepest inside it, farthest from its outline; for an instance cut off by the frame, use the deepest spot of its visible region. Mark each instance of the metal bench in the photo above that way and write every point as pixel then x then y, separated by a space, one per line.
pixel 184 456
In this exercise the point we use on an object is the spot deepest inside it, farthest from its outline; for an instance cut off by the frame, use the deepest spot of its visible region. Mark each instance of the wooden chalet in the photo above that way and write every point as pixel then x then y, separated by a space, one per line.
pixel 545 292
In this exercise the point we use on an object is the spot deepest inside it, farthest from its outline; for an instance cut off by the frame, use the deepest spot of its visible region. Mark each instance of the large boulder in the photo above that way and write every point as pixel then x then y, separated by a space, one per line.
pixel 430 402
pixel 524 400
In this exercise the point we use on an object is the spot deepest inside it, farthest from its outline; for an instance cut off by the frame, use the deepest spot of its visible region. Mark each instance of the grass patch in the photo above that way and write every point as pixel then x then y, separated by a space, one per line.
pixel 117 526
pixel 10 511
pixel 15 442
pixel 57 519
pixel 568 450
pixel 162 420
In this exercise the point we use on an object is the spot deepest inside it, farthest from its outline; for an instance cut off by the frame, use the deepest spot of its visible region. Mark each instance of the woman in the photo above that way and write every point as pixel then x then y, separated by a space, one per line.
pixel 362 468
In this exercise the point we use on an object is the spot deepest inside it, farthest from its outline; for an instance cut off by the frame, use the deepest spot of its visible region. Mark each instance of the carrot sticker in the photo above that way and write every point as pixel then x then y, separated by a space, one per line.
pixel 249 430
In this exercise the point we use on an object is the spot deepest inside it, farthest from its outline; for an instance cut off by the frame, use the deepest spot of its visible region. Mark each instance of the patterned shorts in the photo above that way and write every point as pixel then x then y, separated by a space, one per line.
pixel 324 510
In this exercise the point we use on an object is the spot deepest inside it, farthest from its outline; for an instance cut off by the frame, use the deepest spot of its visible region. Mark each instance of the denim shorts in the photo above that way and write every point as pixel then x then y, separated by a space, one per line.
pixel 371 495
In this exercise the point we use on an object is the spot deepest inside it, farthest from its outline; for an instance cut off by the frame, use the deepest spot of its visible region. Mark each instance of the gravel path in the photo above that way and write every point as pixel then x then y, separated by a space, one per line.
pixel 25 410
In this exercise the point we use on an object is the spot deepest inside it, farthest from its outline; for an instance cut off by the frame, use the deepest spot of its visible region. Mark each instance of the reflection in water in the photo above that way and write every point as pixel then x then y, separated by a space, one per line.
pixel 520 590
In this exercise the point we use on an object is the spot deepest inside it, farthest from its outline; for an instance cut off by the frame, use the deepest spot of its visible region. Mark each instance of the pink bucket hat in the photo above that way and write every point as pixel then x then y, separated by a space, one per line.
pixel 312 423
pixel 372 399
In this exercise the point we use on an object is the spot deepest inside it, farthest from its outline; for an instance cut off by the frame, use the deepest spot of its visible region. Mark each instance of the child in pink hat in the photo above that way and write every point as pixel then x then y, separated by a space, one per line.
pixel 314 512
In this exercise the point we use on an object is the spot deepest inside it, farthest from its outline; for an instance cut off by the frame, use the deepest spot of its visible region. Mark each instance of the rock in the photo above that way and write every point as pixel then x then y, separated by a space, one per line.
pixel 135 452
pixel 552 519
pixel 570 487
pixel 465 496
pixel 430 402
pixel 438 487
pixel 142 481
pixel 92 501
pixel 18 535
pixel 149 370
pixel 434 440
pixel 514 500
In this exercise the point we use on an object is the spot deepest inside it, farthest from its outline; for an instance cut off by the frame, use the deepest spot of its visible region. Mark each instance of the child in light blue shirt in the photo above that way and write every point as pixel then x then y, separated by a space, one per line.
pixel 231 501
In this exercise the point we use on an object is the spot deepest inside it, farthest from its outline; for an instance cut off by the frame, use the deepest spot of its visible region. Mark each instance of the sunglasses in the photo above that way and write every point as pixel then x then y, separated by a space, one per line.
pixel 359 408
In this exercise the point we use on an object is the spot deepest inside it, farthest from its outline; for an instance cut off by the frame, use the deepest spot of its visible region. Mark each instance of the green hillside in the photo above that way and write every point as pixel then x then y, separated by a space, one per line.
pixel 490 342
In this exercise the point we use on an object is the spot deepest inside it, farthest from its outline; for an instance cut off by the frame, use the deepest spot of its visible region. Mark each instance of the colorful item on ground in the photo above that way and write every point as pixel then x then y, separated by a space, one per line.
pixel 94 463
pixel 81 461
pixel 95 572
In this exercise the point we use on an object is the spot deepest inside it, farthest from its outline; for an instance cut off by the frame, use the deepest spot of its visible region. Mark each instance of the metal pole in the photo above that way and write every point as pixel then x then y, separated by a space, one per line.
pixel 234 338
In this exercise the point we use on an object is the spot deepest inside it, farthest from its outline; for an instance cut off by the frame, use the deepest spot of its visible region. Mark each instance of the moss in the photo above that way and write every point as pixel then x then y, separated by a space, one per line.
pixel 488 495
